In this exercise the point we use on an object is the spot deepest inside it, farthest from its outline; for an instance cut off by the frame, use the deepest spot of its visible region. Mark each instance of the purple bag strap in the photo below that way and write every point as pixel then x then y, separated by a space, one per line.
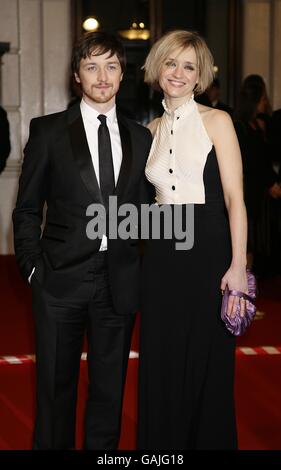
pixel 240 294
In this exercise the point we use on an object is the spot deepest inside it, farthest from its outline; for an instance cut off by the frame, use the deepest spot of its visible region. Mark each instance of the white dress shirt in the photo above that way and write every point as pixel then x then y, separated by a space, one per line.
pixel 91 125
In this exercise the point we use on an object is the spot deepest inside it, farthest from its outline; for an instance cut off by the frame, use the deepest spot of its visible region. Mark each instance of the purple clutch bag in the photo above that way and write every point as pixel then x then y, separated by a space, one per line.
pixel 238 325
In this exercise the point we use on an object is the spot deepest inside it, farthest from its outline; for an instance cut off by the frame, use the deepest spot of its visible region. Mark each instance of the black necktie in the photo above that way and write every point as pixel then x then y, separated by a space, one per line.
pixel 107 182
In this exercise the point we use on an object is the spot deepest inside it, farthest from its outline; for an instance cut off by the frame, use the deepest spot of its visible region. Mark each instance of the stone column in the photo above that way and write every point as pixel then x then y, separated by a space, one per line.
pixel 262 44
pixel 35 78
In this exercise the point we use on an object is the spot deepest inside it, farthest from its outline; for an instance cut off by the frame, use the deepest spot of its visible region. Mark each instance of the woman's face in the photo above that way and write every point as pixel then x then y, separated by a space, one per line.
pixel 179 74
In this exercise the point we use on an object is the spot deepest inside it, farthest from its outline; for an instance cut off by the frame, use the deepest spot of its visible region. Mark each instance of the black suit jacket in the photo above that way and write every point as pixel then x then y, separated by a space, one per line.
pixel 58 170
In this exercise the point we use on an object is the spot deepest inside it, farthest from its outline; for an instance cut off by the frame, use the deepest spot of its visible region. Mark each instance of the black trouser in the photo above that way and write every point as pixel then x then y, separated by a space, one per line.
pixel 60 327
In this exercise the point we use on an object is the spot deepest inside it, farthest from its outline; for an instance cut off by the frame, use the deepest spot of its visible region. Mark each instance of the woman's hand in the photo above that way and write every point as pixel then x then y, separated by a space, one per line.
pixel 235 278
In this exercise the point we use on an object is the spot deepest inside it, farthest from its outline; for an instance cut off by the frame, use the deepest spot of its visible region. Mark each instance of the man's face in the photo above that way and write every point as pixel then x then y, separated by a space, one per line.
pixel 100 77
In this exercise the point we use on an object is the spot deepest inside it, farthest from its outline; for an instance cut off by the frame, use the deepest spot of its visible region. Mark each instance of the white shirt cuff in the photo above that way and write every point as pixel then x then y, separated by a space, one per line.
pixel 29 279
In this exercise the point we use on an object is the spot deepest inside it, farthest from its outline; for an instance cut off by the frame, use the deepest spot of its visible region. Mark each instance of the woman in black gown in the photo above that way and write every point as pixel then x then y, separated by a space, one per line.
pixel 186 369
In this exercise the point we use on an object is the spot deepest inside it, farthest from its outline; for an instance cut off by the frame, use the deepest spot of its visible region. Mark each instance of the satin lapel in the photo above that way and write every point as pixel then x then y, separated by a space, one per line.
pixel 126 164
pixel 81 152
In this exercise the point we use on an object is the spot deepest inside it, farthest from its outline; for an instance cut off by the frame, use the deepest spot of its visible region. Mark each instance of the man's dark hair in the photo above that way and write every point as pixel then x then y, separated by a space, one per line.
pixel 99 43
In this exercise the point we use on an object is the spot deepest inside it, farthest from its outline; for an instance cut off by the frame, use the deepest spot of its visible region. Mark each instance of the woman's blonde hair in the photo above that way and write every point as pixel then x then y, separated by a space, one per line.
pixel 180 39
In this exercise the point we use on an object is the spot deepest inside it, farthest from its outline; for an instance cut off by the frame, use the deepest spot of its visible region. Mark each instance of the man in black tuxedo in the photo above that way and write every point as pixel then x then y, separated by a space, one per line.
pixel 73 159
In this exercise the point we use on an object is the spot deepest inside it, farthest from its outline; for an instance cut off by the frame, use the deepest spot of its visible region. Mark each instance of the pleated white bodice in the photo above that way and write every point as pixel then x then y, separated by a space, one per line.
pixel 178 156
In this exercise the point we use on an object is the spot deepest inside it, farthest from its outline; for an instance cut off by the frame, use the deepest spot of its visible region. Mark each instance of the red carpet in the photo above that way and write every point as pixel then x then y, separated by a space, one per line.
pixel 258 378
pixel 17 406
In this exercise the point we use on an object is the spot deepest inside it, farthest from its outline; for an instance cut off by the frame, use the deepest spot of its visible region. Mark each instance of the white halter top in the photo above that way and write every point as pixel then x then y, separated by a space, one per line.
pixel 178 156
